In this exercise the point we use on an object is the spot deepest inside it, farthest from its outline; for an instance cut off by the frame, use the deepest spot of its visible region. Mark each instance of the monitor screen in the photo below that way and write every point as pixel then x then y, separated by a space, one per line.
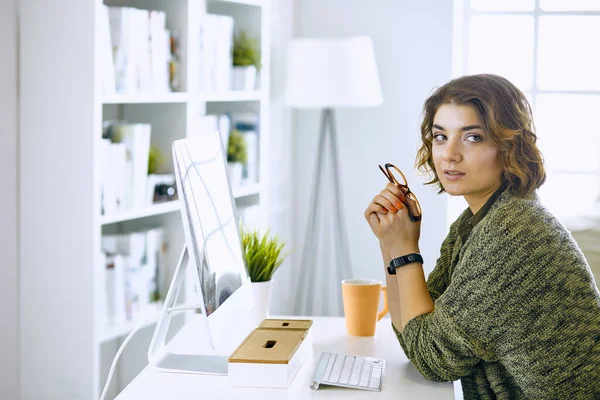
pixel 211 230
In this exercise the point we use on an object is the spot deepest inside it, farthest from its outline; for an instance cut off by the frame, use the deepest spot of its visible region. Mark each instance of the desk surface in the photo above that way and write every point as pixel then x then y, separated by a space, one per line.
pixel 400 381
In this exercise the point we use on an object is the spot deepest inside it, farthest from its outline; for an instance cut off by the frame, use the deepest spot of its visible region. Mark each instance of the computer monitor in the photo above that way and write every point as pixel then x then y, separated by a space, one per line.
pixel 212 253
pixel 211 230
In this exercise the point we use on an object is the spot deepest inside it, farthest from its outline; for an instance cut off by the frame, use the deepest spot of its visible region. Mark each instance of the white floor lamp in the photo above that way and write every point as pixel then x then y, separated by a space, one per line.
pixel 327 74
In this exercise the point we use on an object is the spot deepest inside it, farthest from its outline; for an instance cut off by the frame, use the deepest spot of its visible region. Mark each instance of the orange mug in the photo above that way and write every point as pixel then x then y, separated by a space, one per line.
pixel 361 300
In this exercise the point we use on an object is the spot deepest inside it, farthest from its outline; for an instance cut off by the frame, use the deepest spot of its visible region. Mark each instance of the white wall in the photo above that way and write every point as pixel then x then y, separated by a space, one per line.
pixel 413 47
pixel 9 382
pixel 280 183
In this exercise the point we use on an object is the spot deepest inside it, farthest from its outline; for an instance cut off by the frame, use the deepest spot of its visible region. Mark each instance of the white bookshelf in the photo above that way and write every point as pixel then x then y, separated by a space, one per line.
pixel 146 98
pixel 247 190
pixel 181 97
pixel 150 211
pixel 231 96
pixel 62 110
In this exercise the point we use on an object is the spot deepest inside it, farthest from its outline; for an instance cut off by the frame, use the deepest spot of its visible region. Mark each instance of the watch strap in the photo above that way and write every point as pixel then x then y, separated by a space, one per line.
pixel 403 260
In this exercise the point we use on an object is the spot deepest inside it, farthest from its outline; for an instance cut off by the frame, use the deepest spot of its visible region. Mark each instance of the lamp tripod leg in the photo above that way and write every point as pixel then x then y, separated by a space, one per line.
pixel 343 265
pixel 308 254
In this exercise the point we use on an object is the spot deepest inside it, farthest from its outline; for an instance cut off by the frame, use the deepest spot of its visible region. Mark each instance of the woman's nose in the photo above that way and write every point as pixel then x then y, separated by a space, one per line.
pixel 452 152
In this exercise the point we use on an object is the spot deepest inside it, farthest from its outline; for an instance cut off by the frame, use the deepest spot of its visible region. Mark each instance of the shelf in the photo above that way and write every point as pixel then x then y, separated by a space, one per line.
pixel 164 98
pixel 155 209
pixel 149 98
pixel 168 207
pixel 246 190
pixel 150 317
pixel 257 3
pixel 230 96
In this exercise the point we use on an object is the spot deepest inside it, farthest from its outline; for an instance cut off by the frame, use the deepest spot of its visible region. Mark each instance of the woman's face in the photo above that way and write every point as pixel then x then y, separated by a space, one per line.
pixel 466 160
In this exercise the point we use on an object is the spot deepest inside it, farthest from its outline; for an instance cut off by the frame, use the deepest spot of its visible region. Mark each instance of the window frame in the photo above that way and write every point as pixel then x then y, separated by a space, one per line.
pixel 462 14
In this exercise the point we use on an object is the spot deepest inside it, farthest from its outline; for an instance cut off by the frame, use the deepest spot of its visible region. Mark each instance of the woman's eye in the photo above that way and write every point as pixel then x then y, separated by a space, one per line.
pixel 474 138
pixel 438 137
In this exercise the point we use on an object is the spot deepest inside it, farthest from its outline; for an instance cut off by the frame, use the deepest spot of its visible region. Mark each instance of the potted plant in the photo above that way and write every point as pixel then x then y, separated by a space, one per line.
pixel 246 62
pixel 263 256
pixel 237 156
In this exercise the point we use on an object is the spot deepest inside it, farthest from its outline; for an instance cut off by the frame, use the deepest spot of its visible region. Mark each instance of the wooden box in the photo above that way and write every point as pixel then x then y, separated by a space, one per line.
pixel 271 355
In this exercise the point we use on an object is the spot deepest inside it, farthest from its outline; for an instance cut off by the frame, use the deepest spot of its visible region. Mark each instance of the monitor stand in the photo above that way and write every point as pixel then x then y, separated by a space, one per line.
pixel 158 356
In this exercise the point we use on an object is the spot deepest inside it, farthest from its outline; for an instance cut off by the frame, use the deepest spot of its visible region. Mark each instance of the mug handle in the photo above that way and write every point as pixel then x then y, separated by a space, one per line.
pixel 385 304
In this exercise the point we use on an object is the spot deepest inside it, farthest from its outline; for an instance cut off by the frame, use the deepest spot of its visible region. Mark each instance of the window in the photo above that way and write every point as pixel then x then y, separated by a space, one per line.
pixel 543 47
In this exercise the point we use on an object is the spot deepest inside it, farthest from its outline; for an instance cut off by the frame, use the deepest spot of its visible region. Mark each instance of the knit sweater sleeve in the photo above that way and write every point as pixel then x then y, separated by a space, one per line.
pixel 520 284
pixel 441 344
pixel 439 278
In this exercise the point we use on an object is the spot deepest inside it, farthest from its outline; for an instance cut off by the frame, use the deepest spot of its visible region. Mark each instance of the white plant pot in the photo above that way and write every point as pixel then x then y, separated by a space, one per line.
pixel 244 78
pixel 235 170
pixel 261 292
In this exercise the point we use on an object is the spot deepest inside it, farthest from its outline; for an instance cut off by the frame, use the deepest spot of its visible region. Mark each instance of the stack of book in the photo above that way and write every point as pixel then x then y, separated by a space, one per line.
pixel 216 46
pixel 124 167
pixel 136 50
pixel 215 122
pixel 133 274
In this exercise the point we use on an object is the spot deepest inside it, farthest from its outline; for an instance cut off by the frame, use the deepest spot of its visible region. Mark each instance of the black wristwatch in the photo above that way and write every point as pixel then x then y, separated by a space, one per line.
pixel 403 260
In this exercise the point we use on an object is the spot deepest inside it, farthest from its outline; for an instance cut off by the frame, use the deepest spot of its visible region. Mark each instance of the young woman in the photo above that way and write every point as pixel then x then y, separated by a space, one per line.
pixel 511 308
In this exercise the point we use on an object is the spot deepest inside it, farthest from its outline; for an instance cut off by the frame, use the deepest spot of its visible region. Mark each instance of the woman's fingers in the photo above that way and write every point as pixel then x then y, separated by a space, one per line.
pixel 374 208
pixel 387 201
pixel 392 199
pixel 373 219
pixel 395 190
pixel 372 214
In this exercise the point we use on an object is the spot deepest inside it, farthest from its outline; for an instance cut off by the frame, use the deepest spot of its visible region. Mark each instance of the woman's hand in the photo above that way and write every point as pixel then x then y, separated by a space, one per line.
pixel 389 220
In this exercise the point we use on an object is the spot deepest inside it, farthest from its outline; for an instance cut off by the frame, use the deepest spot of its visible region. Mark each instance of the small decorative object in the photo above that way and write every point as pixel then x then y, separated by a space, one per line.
pixel 164 188
pixel 263 256
pixel 237 156
pixel 246 62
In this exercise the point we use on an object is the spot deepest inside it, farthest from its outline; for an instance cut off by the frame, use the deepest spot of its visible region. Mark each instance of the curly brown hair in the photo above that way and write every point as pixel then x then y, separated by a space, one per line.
pixel 505 114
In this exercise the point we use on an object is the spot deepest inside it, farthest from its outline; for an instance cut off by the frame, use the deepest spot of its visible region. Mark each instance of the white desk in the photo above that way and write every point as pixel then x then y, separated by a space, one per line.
pixel 400 381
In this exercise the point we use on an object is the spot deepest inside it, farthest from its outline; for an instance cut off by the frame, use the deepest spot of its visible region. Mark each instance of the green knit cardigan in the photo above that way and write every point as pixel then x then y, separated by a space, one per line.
pixel 518 317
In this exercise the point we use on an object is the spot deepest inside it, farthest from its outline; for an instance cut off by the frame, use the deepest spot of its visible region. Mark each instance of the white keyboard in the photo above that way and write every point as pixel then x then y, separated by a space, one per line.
pixel 349 371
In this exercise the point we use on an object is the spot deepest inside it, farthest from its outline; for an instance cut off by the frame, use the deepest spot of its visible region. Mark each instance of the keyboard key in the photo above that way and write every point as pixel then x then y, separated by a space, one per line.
pixel 376 374
pixel 374 383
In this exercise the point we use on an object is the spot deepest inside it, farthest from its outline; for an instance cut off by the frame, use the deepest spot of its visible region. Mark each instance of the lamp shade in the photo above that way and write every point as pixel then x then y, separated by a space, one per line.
pixel 332 73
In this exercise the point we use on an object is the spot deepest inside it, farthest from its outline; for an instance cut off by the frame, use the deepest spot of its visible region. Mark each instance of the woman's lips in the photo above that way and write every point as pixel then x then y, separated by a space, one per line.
pixel 453 175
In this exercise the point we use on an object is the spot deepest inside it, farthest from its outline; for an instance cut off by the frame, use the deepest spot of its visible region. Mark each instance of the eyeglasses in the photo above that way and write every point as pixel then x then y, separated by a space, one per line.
pixel 414 208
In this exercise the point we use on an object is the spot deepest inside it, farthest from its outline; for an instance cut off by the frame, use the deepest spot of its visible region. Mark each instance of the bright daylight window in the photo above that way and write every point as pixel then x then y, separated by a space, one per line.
pixel 547 48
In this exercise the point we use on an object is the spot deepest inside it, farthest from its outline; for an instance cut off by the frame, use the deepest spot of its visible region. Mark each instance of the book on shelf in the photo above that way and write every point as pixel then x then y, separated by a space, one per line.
pixel 216 60
pixel 107 65
pixel 139 50
pixel 124 156
pixel 213 122
pixel 134 274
